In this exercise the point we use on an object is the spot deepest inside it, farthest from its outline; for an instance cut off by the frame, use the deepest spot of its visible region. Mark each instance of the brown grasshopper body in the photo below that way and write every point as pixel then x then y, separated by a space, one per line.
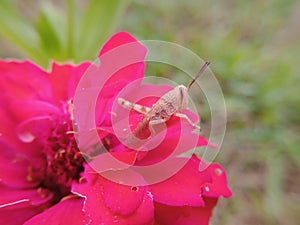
pixel 171 103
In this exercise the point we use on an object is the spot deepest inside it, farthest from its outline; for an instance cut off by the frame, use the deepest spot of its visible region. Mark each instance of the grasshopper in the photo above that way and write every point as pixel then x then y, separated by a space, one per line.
pixel 171 103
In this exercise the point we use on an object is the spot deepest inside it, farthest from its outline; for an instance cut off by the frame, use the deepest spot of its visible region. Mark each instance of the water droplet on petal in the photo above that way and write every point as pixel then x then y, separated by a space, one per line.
pixel 218 171
pixel 207 189
pixel 26 137
pixel 134 188
pixel 116 219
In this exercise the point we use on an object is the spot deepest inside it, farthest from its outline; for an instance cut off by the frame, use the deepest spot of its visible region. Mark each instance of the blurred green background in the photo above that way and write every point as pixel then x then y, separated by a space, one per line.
pixel 254 47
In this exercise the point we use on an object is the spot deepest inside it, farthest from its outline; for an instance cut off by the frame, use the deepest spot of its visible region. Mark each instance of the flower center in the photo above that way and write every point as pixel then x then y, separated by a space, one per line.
pixel 64 162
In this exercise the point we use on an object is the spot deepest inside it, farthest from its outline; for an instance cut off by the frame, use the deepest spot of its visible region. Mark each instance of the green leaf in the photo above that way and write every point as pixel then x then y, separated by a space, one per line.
pixel 49 37
pixel 96 25
pixel 20 33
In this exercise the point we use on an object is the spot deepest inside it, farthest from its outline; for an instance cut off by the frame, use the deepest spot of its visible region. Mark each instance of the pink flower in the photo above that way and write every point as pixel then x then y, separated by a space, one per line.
pixel 39 156
pixel 44 178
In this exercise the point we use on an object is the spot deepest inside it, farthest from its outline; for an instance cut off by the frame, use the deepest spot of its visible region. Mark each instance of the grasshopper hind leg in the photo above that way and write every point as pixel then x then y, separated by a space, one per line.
pixel 183 116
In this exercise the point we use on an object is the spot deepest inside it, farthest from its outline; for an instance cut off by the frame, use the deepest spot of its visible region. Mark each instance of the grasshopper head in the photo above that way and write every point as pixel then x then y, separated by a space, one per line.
pixel 182 97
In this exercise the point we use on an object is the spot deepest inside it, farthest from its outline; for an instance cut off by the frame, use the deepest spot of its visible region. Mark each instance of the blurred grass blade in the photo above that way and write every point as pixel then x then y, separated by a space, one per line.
pixel 50 26
pixel 70 28
pixel 274 192
pixel 20 33
pixel 96 25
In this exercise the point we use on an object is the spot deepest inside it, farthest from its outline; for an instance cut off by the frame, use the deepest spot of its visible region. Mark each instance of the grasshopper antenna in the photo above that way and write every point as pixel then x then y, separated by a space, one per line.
pixel 203 68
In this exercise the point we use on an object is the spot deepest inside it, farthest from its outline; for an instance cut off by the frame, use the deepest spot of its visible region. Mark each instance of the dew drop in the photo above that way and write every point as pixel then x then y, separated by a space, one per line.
pixel 218 171
pixel 26 137
pixel 134 189
pixel 207 189
pixel 116 219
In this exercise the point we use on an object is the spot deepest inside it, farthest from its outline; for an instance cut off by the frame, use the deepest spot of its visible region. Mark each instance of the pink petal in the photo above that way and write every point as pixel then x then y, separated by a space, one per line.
pixel 35 128
pixel 144 214
pixel 23 81
pixel 116 40
pixel 118 198
pixel 122 199
pixel 218 186
pixel 178 139
pixel 9 135
pixel 19 212
pixel 111 203
pixel 16 169
pixel 101 215
pixel 36 197
pixel 31 108
pixel 69 211
pixel 184 188
pixel 184 215
pixel 189 186
pixel 7 128
pixel 113 161
pixel 118 67
pixel 65 78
